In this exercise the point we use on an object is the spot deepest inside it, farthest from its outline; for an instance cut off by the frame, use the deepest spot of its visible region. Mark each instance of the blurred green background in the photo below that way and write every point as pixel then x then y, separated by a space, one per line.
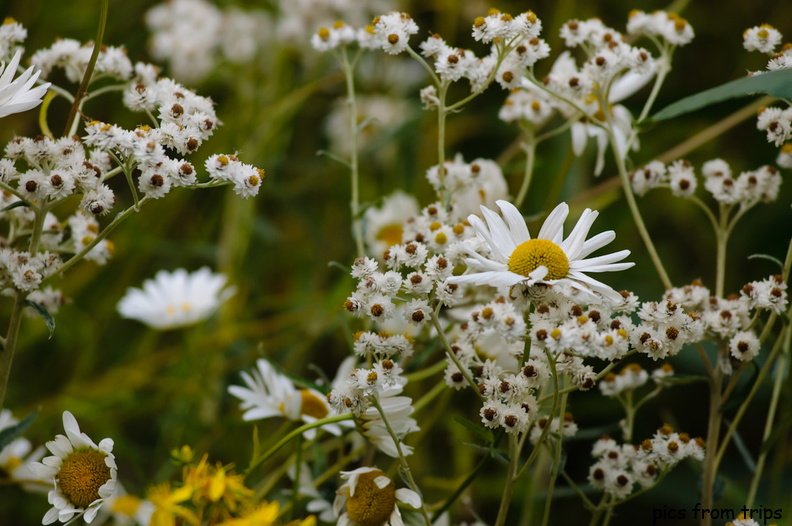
pixel 153 392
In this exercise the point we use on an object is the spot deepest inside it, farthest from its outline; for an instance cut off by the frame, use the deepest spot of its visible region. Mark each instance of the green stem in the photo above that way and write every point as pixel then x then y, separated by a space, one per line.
pixel 530 157
pixel 556 460
pixel 457 492
pixel 99 237
pixel 511 478
pixel 754 389
pixel 354 204
pixel 405 467
pixel 636 213
pixel 780 371
pixel 453 357
pixel 713 432
pixel 82 91
pixel 300 430
pixel 720 252
pixel 7 352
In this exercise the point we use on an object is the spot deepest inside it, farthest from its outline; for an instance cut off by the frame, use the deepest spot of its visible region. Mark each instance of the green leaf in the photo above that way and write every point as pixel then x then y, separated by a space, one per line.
pixel 776 83
pixel 10 433
pixel 769 258
pixel 485 434
pixel 15 204
pixel 742 448
pixel 495 452
pixel 44 313
pixel 779 430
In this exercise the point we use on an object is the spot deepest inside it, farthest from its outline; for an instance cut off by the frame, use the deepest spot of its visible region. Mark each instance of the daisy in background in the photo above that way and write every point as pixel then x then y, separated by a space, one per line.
pixel 83 474
pixel 176 299
pixel 369 498
pixel 547 259
pixel 269 393
pixel 18 95
pixel 16 457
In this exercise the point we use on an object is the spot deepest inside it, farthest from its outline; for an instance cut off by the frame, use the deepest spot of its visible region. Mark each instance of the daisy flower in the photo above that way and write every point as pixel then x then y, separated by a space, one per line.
pixel 16 95
pixel 370 499
pixel 549 258
pixel 176 299
pixel 83 474
pixel 269 393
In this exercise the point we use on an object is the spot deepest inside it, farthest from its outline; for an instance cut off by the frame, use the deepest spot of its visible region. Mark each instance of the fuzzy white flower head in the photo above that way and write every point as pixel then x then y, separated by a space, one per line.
pixel 369 497
pixel 83 473
pixel 549 258
pixel 176 299
pixel 762 38
pixel 393 31
pixel 18 95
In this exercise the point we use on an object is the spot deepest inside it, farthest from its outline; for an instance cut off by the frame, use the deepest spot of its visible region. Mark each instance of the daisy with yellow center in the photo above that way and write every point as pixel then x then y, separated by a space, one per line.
pixel 83 473
pixel 369 498
pixel 549 258
pixel 269 393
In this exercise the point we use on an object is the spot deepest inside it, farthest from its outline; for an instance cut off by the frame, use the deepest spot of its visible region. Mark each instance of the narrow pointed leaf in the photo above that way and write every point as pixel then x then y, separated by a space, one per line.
pixel 776 83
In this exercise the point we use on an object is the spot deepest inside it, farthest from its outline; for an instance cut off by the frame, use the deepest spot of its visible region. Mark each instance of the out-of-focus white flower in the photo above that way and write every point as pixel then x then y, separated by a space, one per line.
pixel 176 299
pixel 83 474
pixel 18 95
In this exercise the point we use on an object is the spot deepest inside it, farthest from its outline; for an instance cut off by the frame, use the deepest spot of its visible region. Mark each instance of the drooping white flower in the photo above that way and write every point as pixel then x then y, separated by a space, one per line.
pixel 83 474
pixel 18 95
pixel 176 299
pixel 549 258
pixel 269 393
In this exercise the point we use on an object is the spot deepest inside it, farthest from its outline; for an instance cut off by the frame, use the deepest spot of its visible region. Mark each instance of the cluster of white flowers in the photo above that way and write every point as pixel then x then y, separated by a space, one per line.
pixel 746 189
pixel 729 319
pixel 73 57
pixel 619 467
pixel 193 35
pixel 668 27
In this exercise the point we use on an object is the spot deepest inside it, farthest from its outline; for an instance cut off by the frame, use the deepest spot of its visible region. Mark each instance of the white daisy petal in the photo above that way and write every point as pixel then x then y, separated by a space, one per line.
pixel 408 497
pixel 596 243
pixel 482 231
pixel 516 222
pixel 599 260
pixel 552 228
pixel 574 242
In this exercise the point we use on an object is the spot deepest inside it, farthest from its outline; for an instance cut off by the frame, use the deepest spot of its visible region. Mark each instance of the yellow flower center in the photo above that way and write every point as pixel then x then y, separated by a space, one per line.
pixel 391 234
pixel 312 405
pixel 370 505
pixel 534 253
pixel 81 475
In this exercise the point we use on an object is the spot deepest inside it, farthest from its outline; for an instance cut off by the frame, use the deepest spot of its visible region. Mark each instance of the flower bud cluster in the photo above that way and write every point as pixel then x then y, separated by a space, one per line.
pixel 561 326
pixel 746 189
pixel 664 329
pixel 619 467
pixel 566 427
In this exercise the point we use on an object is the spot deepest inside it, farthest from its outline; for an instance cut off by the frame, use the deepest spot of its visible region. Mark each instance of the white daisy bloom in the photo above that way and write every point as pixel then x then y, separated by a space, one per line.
pixel 83 474
pixel 16 95
pixel 371 499
pixel 549 258
pixel 269 393
pixel 176 299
